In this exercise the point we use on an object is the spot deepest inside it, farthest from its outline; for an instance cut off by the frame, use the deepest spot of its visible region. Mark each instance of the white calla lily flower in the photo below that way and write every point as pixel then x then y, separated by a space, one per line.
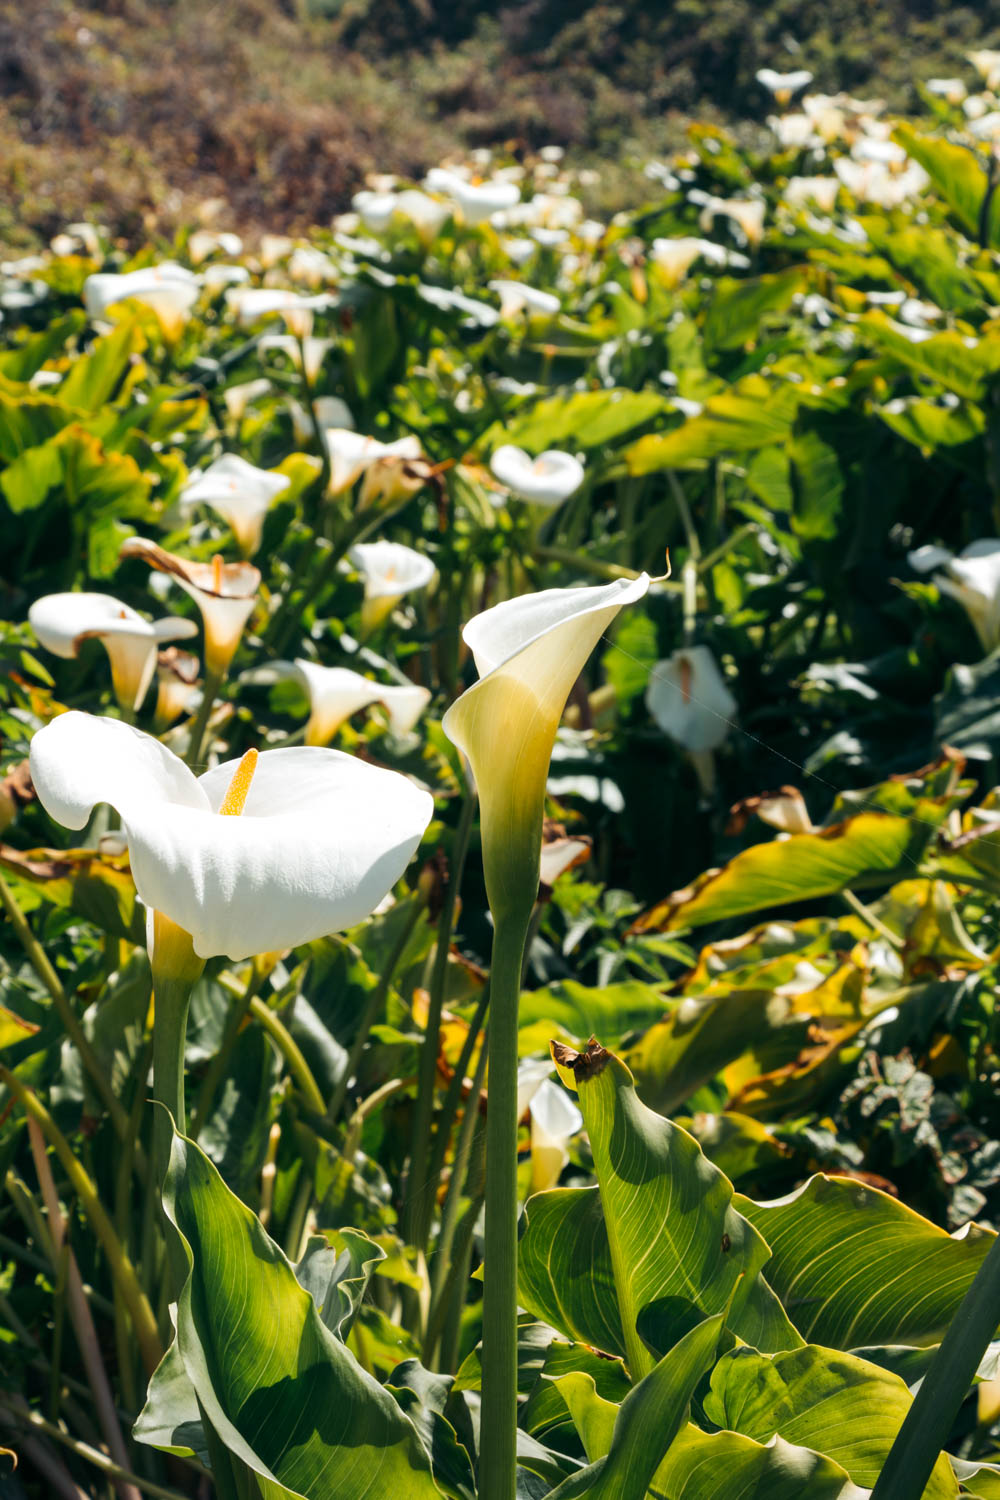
pixel 516 298
pixel 987 64
pixel 224 592
pixel 389 570
pixel 206 242
pixel 241 493
pixel 822 191
pixel 352 453
pixel 528 652
pixel 219 275
pixel 689 700
pixel 555 1119
pixel 307 355
pixel 973 578
pixel 560 855
pixel 336 693
pixel 62 622
pixel 250 304
pixel 177 685
pixel 747 213
pixel 239 398
pixel 476 201
pixel 546 480
pixel 676 256
pixel 784 85
pixel 319 838
pixel 168 290
pixel 274 248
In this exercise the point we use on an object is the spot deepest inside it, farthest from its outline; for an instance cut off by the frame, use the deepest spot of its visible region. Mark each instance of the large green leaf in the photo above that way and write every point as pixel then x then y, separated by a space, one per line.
pixel 738 308
pixel 962 364
pixel 648 1420
pixel 818 1398
pixel 578 1011
pixel 956 176
pixel 95 378
pixel 587 419
pixel 281 1391
pixel 656 1247
pixel 756 412
pixel 727 1466
pixel 868 849
pixel 855 1267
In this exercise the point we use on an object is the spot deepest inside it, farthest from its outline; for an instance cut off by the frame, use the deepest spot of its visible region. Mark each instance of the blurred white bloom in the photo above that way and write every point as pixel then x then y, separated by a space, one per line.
pixel 784 85
pixel 311 267
pixel 239 397
pixel 987 127
pixel 219 275
pixel 546 480
pixel 335 693
pixel 746 213
pixel 62 622
pixel 314 349
pixel 951 89
pixel 477 202
pixel 822 191
pixel 555 1120
pixel 176 683
pixel 389 570
pixel 793 131
pixel 689 700
pixel 973 578
pixel 885 152
pixel 274 247
pixel 376 209
pixel 675 257
pixel 241 493
pixel 205 242
pixel 351 454
pixel 253 303
pixel 987 65
pixel 517 297
pixel 169 290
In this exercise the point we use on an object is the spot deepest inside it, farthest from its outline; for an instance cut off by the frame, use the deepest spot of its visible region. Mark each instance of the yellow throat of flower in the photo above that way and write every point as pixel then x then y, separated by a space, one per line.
pixel 235 799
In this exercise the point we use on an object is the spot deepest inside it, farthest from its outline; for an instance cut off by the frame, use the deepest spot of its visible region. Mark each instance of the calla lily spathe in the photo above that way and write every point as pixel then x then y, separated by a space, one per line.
pixel 253 303
pixel 241 493
pixel 528 652
pixel 688 699
pixel 554 1118
pixel 335 693
pixel 176 684
pixel 62 622
pixel 306 354
pixel 973 578
pixel 546 480
pixel 516 298
pixel 320 839
pixel 784 85
pixel 389 570
pixel 224 592
pixel 169 290
pixel 351 454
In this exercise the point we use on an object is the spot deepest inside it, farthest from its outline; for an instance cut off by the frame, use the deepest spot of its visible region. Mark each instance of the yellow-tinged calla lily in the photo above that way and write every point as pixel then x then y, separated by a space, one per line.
pixel 319 839
pixel 554 1118
pixel 224 592
pixel 352 454
pixel 529 652
pixel 62 622
pixel 241 493
pixel 389 570
pixel 169 290
pixel 176 684
pixel 335 693
pixel 973 578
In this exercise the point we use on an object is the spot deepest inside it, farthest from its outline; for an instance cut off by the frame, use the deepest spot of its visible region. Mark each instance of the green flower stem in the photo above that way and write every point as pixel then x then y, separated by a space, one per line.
pixel 420 1192
pixel 171 999
pixel 448 1358
pixel 929 1421
pixel 74 1030
pixel 444 1264
pixel 209 693
pixel 498 1446
pixel 318 436
pixel 121 1267
pixel 289 1049
pixel 372 1009
pixel 453 1097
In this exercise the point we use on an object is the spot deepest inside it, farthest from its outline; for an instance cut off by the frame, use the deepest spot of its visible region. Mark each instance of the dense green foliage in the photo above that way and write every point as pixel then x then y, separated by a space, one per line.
pixel 775 1009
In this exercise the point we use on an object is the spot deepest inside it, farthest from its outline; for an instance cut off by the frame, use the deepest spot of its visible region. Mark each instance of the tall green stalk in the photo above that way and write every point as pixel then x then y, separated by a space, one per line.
pixel 927 1424
pixel 498 1444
